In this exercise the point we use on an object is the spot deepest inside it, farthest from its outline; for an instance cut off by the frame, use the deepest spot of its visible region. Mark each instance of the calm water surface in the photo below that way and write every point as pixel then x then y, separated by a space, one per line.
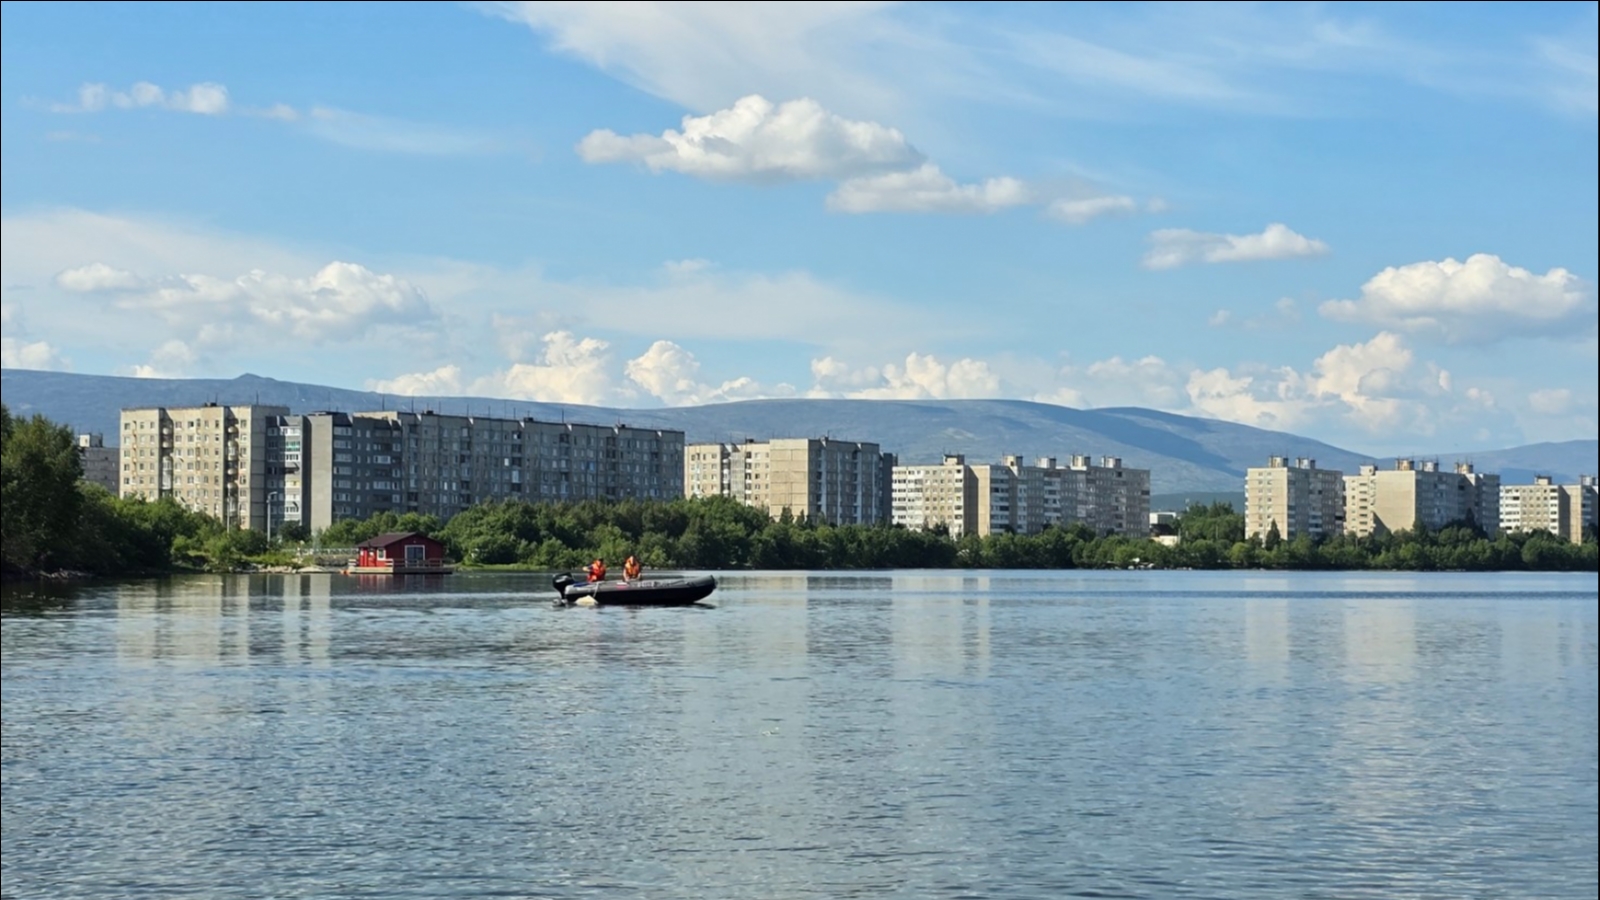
pixel 908 734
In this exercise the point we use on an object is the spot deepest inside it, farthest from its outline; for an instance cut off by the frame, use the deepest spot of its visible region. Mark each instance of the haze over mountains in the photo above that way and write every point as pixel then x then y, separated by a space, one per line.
pixel 1184 453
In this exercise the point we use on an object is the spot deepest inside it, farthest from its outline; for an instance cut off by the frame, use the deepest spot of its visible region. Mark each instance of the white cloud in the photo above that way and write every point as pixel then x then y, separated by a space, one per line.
pixel 925 189
pixel 1375 386
pixel 20 353
pixel 338 126
pixel 1172 247
pixel 1477 301
pixel 700 54
pixel 582 371
pixel 1079 211
pixel 99 277
pixel 756 140
pixel 921 377
pixel 569 370
pixel 441 382
pixel 206 98
pixel 1264 59
pixel 1551 401
pixel 667 371
pixel 173 359
pixel 339 302
pixel 670 374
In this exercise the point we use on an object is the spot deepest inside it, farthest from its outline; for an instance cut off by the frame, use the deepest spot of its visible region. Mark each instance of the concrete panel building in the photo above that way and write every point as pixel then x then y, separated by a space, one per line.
pixel 100 463
pixel 244 464
pixel 821 479
pixel 1014 497
pixel 211 458
pixel 1564 510
pixel 1300 499
pixel 931 496
pixel 1413 494
pixel 1107 497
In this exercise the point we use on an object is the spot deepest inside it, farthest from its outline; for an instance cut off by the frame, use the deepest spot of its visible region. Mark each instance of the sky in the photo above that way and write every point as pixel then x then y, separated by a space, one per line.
pixel 1371 224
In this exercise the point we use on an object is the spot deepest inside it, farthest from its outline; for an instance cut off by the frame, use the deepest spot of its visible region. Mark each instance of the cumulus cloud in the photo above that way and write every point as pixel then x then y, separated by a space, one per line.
pixel 920 377
pixel 173 359
pixel 1173 247
pixel 1376 386
pixel 876 168
pixel 670 374
pixel 20 353
pixel 925 189
pixel 576 370
pixel 757 140
pixel 339 302
pixel 441 382
pixel 206 98
pixel 98 277
pixel 1481 300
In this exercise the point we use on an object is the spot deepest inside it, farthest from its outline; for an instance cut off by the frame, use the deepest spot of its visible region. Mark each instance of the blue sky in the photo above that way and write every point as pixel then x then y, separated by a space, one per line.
pixel 1375 224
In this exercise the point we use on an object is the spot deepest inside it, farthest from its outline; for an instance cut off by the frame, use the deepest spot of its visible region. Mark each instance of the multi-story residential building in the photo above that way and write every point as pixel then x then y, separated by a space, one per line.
pixel 925 497
pixel 1410 495
pixel 1013 497
pixel 210 458
pixel 1300 499
pixel 319 468
pixel 1564 510
pixel 100 463
pixel 822 479
pixel 1108 498
pixel 442 464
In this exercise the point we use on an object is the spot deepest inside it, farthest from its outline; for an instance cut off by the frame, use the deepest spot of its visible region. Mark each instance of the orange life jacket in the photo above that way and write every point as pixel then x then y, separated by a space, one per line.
pixel 597 571
pixel 631 568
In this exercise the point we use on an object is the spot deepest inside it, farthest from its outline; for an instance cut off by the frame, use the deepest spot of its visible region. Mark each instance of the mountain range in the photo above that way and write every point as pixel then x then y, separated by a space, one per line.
pixel 1183 453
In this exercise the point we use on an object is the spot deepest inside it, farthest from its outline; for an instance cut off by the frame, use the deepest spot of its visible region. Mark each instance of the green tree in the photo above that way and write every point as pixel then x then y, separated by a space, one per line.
pixel 40 505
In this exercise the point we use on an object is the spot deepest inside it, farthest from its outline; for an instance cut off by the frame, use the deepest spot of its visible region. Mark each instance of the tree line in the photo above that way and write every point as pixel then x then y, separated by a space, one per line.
pixel 53 521
pixel 721 533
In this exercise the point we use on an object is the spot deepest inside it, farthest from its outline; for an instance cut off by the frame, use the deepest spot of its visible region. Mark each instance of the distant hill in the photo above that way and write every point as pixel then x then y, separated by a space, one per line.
pixel 1185 454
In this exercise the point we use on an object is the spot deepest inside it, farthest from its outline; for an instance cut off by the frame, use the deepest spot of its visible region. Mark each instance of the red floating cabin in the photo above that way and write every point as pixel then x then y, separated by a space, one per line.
pixel 400 553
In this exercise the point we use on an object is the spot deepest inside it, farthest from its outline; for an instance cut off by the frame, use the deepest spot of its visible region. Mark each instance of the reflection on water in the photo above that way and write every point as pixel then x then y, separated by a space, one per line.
pixel 915 734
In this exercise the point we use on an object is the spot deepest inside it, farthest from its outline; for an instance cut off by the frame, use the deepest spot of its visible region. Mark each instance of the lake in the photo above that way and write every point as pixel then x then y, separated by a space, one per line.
pixel 883 734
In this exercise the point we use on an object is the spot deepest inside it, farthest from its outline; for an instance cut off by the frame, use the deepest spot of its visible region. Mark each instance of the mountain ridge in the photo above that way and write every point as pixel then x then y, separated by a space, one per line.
pixel 1184 453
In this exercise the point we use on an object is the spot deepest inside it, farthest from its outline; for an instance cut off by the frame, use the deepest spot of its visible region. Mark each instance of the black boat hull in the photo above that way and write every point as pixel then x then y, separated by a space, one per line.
pixel 659 592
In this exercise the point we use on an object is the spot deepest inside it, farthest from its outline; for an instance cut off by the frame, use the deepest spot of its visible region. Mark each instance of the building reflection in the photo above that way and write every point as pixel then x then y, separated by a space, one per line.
pixel 940 625
pixel 1380 640
pixel 1266 637
pixel 200 620
pixel 307 618
pixel 207 620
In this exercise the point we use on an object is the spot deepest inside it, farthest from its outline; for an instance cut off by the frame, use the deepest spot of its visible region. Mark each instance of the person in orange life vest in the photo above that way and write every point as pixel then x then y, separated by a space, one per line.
pixel 597 570
pixel 631 569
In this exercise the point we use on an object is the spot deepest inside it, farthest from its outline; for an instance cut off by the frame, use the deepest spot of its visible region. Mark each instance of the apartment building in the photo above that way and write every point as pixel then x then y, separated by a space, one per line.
pixel 262 467
pixel 821 479
pixel 1300 499
pixel 929 496
pixel 100 463
pixel 1014 497
pixel 440 465
pixel 1413 494
pixel 211 458
pixel 1107 497
pixel 1564 510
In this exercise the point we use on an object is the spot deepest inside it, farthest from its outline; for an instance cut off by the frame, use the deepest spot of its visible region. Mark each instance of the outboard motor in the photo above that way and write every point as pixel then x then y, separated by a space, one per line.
pixel 561 583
